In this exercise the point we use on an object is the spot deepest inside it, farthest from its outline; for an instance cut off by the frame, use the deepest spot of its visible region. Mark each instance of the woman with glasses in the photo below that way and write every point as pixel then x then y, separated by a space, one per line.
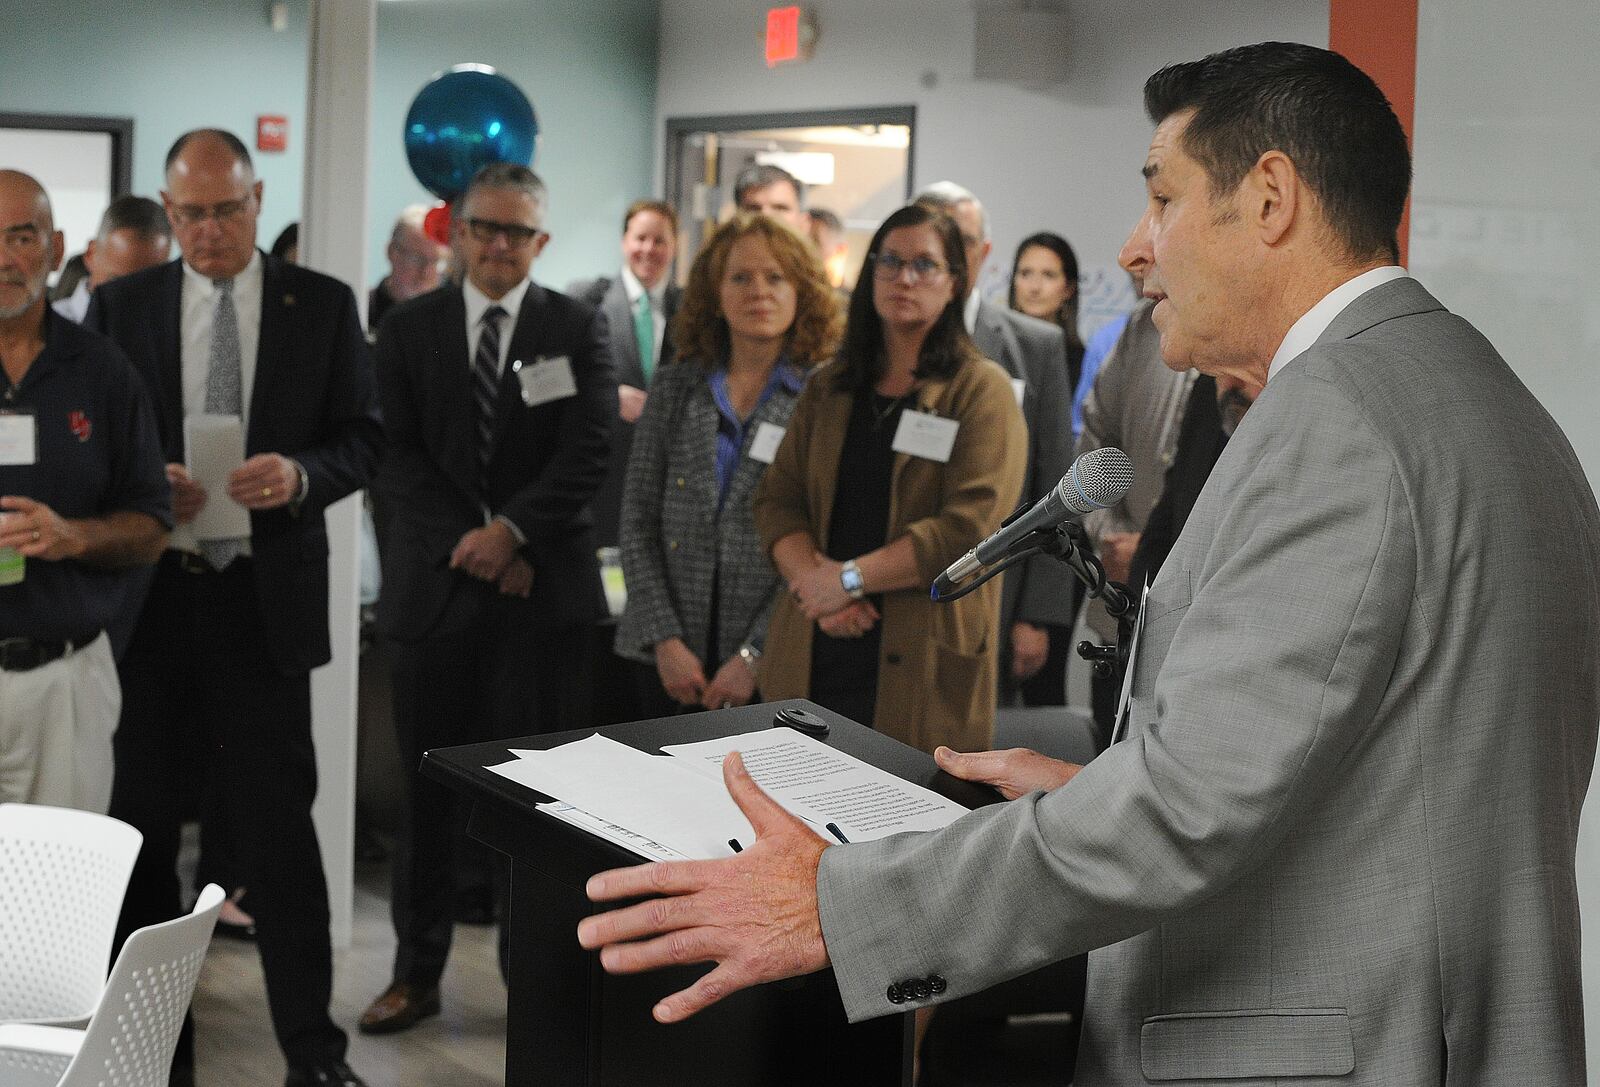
pixel 903 453
pixel 757 315
pixel 1044 284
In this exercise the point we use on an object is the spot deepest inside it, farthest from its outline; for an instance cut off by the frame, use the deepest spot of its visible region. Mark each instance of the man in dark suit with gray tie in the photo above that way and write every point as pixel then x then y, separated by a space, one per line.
pixel 498 399
pixel 221 657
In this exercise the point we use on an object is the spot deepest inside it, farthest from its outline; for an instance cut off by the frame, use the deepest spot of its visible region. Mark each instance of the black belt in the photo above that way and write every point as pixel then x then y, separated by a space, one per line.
pixel 191 563
pixel 26 654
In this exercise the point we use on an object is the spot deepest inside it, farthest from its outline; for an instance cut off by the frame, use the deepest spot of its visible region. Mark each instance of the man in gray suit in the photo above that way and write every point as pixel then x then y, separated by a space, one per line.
pixel 1337 836
pixel 1039 600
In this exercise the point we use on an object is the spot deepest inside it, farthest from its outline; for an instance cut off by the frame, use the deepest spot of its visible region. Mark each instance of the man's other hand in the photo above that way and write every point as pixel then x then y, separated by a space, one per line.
pixel 1015 771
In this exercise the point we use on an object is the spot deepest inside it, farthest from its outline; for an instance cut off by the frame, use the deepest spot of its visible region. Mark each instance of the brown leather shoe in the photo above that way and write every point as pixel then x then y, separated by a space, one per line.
pixel 399 1007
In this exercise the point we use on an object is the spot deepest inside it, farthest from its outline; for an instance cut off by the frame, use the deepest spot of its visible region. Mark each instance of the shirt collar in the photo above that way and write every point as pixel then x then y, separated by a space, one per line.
pixel 631 284
pixel 246 282
pixel 1306 331
pixel 969 312
pixel 478 302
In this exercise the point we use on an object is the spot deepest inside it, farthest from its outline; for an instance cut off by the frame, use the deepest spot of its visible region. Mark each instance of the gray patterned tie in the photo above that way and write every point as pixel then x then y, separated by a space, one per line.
pixel 486 388
pixel 224 396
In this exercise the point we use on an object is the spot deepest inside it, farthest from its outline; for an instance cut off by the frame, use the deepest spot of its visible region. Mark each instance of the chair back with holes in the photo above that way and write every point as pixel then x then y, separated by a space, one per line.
pixel 62 877
pixel 133 1033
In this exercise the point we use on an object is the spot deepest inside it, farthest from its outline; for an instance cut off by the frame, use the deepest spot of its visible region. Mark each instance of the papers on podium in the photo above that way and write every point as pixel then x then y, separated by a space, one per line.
pixel 673 806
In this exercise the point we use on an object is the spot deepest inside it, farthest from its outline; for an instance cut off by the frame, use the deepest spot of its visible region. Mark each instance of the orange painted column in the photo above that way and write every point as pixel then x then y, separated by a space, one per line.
pixel 1380 38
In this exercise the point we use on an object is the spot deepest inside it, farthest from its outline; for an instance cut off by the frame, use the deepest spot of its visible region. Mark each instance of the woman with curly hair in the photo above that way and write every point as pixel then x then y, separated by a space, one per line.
pixel 757 315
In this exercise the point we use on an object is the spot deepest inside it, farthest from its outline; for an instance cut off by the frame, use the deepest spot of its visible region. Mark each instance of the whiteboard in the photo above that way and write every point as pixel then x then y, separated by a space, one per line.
pixel 74 167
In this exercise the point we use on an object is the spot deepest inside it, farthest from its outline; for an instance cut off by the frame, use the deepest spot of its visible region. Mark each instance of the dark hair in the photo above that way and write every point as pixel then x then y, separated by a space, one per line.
pixel 827 220
pixel 660 207
pixel 288 238
pixel 1323 112
pixel 758 175
pixel 504 175
pixel 228 139
pixel 700 330
pixel 139 214
pixel 1067 315
pixel 947 346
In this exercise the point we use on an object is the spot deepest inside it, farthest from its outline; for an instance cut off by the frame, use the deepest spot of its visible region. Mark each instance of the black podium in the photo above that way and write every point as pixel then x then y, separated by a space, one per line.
pixel 569 1023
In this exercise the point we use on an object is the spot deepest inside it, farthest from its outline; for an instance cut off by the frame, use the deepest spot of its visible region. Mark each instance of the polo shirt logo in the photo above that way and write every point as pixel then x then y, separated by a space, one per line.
pixel 80 425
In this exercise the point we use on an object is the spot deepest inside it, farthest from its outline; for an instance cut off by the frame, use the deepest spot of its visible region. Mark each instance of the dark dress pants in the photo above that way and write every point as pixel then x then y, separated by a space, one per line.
pixel 502 676
pixel 201 697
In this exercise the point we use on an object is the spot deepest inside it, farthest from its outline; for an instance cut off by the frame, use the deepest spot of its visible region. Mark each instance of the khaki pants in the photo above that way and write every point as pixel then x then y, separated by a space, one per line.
pixel 56 723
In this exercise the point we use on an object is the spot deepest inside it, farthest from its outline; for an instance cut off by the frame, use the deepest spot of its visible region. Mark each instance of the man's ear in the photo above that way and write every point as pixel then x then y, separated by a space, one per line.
pixel 58 249
pixel 1275 196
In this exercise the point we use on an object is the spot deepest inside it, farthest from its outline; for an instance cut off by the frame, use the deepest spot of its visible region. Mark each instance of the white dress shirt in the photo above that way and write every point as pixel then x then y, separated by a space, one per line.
pixel 195 308
pixel 658 316
pixel 478 304
pixel 1304 332
pixel 969 310
pixel 75 306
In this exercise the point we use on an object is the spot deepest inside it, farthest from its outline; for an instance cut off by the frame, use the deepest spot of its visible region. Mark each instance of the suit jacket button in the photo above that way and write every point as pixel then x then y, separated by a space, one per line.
pixel 894 994
pixel 921 989
pixel 893 658
pixel 672 545
pixel 937 984
pixel 680 481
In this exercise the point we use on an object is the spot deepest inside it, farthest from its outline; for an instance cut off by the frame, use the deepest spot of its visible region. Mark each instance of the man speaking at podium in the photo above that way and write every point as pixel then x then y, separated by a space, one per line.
pixel 1337 836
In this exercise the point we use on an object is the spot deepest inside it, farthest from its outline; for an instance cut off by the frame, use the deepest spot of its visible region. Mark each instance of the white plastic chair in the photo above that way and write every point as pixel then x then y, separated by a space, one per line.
pixel 62 877
pixel 134 1029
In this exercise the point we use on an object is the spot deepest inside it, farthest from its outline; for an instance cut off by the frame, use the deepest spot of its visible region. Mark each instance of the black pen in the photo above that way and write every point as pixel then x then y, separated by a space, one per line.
pixel 833 829
pixel 733 844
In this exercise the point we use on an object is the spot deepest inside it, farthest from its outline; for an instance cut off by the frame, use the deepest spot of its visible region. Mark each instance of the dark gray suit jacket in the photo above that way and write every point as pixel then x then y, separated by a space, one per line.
pixel 1041 590
pixel 1339 840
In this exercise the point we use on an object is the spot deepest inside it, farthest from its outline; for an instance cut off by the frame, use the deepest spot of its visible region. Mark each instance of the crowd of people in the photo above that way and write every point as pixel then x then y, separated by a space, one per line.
pixel 784 465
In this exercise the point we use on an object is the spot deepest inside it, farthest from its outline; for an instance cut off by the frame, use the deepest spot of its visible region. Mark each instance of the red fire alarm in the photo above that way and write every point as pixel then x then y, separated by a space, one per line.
pixel 791 34
pixel 272 133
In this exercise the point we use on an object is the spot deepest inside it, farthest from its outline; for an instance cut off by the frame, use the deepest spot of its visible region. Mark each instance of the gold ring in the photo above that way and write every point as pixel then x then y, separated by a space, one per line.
pixel 266 492
pixel 35 535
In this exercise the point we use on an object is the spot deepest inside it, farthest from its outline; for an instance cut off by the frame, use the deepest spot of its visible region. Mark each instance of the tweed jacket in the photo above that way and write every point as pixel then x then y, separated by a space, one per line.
pixel 937 665
pixel 674 539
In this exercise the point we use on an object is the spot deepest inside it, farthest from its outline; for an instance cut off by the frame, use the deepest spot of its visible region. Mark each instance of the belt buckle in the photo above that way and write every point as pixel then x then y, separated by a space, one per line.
pixel 190 563
pixel 18 654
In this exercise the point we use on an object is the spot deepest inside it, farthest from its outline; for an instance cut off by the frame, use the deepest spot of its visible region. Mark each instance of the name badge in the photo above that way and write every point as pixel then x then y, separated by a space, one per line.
pixel 1019 389
pixel 927 436
pixel 545 380
pixel 19 438
pixel 764 446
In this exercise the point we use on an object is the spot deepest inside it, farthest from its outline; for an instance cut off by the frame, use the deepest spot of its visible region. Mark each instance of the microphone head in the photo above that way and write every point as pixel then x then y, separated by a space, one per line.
pixel 1096 480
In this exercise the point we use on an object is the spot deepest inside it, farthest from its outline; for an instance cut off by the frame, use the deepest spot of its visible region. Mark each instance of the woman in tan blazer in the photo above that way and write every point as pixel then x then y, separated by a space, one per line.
pixel 901 455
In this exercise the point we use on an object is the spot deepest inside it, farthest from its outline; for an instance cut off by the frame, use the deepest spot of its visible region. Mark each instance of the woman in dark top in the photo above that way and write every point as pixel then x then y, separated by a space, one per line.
pixel 1044 284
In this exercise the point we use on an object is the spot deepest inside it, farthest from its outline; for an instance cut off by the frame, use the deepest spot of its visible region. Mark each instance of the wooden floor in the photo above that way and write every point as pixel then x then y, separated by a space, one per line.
pixel 463 1047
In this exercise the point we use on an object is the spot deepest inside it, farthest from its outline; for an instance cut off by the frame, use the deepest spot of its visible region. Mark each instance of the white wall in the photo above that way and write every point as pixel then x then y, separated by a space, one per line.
pixel 1063 158
pixel 1504 231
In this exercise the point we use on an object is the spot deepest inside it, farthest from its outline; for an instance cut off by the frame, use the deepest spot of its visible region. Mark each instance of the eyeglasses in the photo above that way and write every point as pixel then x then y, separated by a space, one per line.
pixel 515 234
pixel 888 266
pixel 229 211
pixel 23 238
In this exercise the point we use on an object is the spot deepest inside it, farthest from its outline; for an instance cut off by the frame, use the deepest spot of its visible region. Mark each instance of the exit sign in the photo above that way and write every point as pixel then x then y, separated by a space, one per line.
pixel 791 34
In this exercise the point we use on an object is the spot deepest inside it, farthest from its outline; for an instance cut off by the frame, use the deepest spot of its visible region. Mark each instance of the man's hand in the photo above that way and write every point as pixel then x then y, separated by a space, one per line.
pixel 754 914
pixel 1015 771
pixel 264 482
pixel 850 622
pixel 818 591
pixel 485 552
pixel 1030 645
pixel 733 685
pixel 630 403
pixel 1116 553
pixel 682 676
pixel 188 497
pixel 36 531
pixel 517 580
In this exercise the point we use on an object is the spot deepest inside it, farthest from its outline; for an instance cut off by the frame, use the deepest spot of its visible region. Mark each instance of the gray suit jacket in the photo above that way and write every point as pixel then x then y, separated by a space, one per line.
pixel 1041 590
pixel 674 539
pixel 1339 840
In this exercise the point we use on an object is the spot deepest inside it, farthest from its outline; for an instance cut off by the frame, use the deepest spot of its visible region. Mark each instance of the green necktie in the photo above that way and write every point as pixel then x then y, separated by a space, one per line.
pixel 644 330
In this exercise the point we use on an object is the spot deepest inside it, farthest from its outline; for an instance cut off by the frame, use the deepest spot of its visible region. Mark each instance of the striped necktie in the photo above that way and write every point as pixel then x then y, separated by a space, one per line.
pixel 224 396
pixel 486 387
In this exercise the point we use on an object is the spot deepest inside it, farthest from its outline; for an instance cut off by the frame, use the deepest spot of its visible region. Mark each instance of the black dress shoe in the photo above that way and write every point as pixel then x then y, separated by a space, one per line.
pixel 327 1074
pixel 399 1007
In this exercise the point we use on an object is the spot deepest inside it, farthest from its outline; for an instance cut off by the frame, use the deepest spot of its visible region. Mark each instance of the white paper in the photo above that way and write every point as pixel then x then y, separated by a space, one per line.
pixel 764 446
pixel 18 438
pixel 627 839
pixel 214 447
pixel 1019 389
pixel 546 380
pixel 810 778
pixel 652 795
pixel 931 437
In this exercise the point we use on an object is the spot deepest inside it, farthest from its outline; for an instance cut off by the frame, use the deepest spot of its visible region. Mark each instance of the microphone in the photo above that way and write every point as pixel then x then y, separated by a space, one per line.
pixel 1098 479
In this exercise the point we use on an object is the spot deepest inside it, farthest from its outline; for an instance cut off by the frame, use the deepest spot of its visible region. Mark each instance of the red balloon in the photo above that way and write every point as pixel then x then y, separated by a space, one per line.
pixel 436 224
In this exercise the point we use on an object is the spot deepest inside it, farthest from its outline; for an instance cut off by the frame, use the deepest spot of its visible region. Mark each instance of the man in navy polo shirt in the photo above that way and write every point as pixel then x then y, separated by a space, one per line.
pixel 83 495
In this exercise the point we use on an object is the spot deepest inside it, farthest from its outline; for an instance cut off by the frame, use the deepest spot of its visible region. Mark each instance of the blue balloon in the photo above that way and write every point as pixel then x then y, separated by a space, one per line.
pixel 462 120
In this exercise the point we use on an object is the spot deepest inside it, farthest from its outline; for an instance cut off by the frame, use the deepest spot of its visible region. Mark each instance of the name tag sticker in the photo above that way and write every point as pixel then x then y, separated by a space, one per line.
pixel 546 380
pixel 1019 388
pixel 19 438
pixel 927 436
pixel 764 446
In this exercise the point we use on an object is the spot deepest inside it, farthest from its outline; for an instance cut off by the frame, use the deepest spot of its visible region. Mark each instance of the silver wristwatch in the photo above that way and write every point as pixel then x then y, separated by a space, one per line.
pixel 750 655
pixel 850 578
